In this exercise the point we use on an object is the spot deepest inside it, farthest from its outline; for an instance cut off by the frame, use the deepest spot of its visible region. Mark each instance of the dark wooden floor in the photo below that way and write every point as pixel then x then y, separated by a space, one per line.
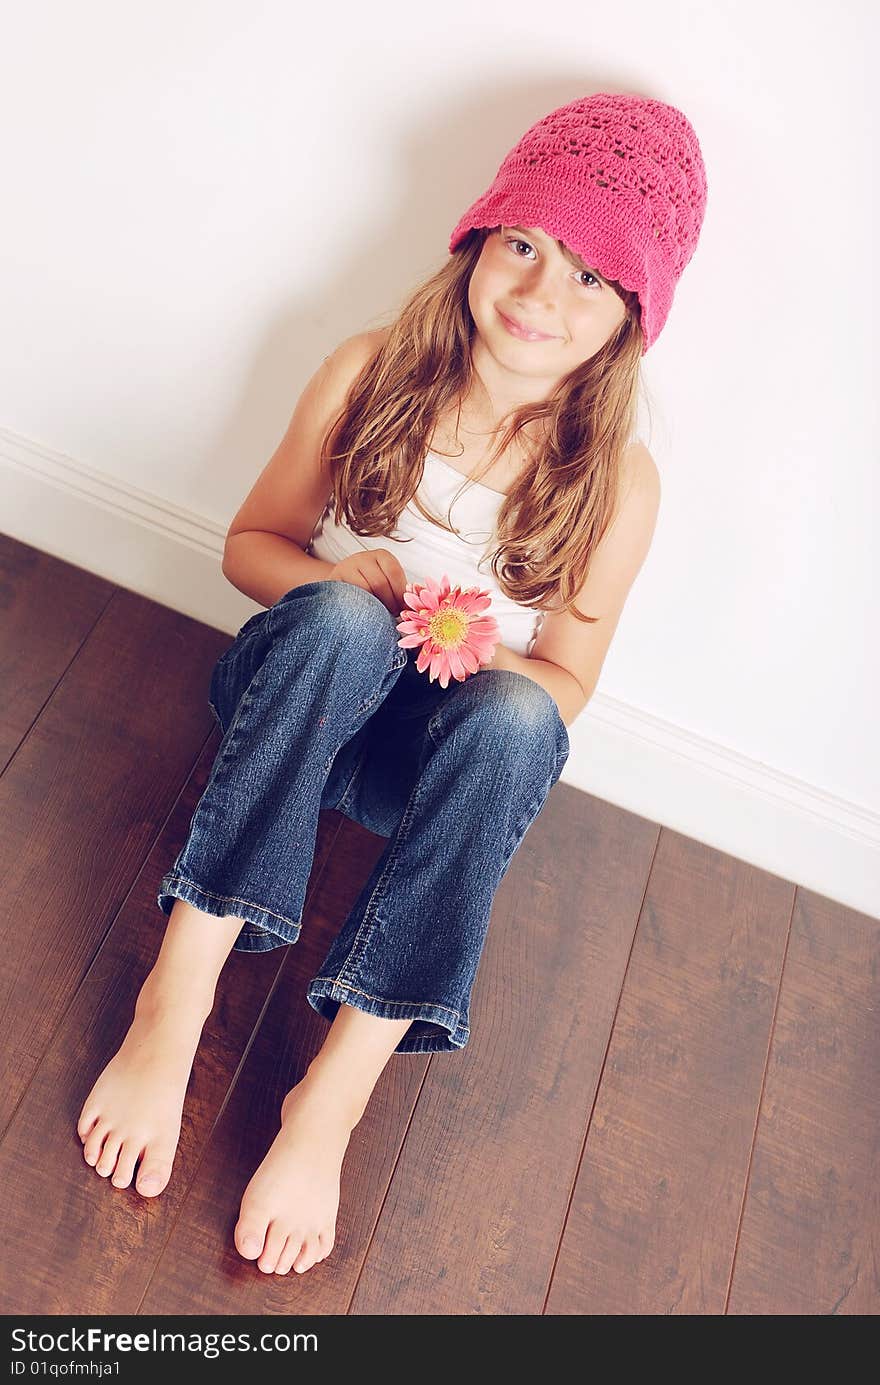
pixel 670 1099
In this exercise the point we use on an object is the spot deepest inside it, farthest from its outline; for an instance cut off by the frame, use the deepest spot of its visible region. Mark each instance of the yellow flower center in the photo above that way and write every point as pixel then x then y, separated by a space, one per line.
pixel 448 626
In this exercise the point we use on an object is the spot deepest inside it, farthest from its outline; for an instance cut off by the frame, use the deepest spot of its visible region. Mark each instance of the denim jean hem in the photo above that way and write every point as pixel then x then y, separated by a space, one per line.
pixel 263 929
pixel 324 994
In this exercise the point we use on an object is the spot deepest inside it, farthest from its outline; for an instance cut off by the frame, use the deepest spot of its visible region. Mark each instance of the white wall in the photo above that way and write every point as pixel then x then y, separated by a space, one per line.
pixel 203 198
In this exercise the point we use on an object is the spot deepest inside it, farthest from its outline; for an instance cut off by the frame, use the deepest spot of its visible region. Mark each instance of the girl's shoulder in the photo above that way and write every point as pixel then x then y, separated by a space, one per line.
pixel 367 343
pixel 353 353
pixel 638 468
pixel 639 490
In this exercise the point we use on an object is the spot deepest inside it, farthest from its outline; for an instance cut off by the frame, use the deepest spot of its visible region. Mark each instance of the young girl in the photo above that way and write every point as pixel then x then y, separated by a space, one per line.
pixel 529 338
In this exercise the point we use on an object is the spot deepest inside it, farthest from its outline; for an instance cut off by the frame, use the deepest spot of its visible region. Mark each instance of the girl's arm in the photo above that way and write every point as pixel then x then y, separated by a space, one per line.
pixel 264 555
pixel 264 566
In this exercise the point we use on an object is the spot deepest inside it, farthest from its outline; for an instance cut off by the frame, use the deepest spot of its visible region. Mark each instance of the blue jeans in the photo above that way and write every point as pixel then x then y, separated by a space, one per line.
pixel 320 708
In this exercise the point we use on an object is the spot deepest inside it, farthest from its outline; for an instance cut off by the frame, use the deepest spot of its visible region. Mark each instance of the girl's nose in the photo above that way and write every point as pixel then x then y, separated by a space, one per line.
pixel 536 286
pixel 534 303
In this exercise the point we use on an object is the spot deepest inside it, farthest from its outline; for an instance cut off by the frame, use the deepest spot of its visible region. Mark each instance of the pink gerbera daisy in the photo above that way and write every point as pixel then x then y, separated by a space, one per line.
pixel 446 622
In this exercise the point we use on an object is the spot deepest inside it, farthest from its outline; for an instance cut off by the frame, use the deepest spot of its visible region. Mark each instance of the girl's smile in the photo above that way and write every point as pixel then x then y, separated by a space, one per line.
pixel 522 330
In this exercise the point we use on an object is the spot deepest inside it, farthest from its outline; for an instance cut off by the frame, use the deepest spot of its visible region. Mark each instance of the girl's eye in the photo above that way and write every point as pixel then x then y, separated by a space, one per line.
pixel 515 240
pixel 591 276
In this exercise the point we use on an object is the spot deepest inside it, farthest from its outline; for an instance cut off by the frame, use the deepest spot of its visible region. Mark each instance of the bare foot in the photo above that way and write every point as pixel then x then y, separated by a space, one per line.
pixel 288 1211
pixel 134 1109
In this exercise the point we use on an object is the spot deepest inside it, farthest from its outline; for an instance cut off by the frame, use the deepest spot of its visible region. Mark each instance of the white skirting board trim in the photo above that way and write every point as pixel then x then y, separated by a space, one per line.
pixel 621 754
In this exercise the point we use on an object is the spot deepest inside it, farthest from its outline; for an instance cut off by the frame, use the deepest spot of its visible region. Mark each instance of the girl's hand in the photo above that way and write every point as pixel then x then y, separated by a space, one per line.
pixel 377 571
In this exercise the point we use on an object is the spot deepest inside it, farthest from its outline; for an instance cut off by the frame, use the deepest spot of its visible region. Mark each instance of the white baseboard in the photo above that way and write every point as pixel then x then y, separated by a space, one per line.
pixel 129 536
pixel 628 757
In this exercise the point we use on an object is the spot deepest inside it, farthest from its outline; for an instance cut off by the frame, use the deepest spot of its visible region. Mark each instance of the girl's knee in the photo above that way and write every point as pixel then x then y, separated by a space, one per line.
pixel 343 612
pixel 505 703
pixel 518 695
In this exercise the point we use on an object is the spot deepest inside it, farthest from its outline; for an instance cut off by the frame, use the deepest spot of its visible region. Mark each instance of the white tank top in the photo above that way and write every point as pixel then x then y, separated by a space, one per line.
pixel 429 551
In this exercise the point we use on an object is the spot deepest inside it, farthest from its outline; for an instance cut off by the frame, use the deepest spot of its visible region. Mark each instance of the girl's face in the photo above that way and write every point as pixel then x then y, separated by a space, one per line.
pixel 522 274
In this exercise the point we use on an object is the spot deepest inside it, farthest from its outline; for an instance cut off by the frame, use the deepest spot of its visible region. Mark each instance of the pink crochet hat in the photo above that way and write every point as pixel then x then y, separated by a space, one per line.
pixel 619 179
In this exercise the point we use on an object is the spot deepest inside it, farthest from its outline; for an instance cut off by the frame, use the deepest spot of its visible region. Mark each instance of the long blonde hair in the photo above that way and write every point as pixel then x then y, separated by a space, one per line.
pixel 565 497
